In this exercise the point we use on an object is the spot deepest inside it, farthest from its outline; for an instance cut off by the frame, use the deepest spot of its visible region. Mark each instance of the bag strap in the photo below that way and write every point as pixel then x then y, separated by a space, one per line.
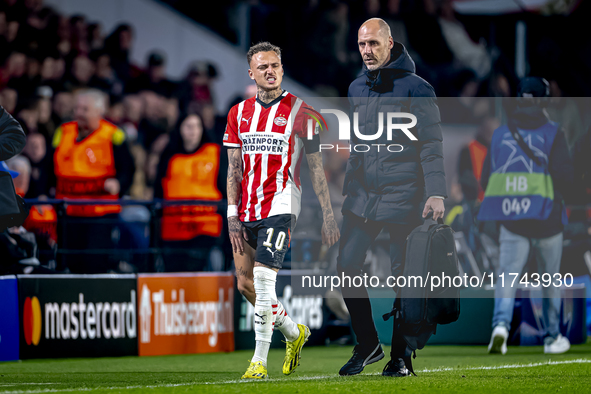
pixel 524 147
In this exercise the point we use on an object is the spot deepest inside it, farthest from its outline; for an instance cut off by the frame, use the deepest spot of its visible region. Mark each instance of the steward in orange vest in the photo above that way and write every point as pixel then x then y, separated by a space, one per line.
pixel 92 163
pixel 470 165
pixel 189 169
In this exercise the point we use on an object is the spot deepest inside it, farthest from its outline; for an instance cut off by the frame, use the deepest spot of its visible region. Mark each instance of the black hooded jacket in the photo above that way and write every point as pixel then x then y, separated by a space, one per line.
pixel 12 137
pixel 387 185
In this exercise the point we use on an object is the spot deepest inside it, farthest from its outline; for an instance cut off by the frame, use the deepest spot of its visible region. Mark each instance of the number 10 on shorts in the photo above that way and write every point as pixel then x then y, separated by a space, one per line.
pixel 279 242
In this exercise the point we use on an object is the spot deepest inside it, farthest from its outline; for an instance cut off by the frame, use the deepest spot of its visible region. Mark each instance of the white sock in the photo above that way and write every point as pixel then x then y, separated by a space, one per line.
pixel 264 319
pixel 261 351
pixel 283 322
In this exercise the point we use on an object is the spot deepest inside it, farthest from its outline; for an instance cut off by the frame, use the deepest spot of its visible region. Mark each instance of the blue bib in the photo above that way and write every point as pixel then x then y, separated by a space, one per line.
pixel 518 188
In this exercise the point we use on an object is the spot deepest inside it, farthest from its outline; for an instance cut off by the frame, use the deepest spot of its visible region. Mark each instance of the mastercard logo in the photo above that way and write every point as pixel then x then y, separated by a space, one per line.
pixel 32 320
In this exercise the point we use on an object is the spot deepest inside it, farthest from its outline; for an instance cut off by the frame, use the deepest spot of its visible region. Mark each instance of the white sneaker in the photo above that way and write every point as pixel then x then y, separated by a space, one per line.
pixel 498 340
pixel 557 346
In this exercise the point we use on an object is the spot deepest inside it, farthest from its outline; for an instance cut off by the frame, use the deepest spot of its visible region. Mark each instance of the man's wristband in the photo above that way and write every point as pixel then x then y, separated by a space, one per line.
pixel 232 210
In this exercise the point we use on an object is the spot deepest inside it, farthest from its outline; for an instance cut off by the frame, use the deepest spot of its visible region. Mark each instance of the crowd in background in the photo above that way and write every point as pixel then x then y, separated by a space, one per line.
pixel 46 57
pixel 460 55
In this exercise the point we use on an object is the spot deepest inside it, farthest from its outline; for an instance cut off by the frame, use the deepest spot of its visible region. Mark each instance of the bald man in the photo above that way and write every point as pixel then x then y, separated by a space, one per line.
pixel 388 189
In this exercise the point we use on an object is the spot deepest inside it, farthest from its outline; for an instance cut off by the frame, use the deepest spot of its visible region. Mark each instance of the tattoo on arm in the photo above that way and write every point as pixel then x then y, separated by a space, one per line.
pixel 234 175
pixel 241 272
pixel 233 188
pixel 319 183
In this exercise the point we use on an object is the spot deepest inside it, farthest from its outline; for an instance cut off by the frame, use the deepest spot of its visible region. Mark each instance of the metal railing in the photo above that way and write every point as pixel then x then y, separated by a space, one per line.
pixel 151 251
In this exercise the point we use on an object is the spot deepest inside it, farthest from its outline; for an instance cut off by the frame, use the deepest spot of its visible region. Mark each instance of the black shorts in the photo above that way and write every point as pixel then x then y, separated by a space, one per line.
pixel 270 238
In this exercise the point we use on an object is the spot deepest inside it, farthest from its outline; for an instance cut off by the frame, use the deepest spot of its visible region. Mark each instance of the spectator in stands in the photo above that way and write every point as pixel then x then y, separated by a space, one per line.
pixel 154 78
pixel 96 40
pixel 64 43
pixel 189 170
pixel 118 45
pixel 426 37
pixel 59 71
pixel 154 122
pixel 78 34
pixel 28 115
pixel 92 160
pixel 42 182
pixel 46 71
pixel 394 16
pixel 467 52
pixel 9 99
pixel 133 111
pixel 46 125
pixel 15 68
pixel 104 77
pixel 195 90
pixel 151 163
pixel 80 74
pixel 115 112
pixel 22 166
pixel 63 107
pixel 329 45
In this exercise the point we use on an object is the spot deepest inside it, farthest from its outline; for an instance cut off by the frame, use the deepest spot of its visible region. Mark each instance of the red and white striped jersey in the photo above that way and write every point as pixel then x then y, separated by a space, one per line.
pixel 272 137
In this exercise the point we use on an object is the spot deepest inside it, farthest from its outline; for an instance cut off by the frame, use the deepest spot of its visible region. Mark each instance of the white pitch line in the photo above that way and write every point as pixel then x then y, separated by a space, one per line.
pixel 300 378
pixel 23 384
pixel 511 366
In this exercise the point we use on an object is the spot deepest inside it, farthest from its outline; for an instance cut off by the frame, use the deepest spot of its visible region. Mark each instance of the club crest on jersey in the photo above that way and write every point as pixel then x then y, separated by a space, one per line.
pixel 280 121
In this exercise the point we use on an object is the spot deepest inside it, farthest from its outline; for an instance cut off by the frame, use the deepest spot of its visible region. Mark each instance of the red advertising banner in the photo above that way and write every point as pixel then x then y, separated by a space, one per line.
pixel 185 313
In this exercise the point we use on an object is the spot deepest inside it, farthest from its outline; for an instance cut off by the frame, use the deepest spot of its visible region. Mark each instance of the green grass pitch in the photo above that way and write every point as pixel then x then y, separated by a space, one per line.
pixel 440 369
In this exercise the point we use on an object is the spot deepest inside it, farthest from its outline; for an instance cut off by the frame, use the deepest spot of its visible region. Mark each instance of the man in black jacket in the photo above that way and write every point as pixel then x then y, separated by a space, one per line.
pixel 12 142
pixel 12 137
pixel 386 188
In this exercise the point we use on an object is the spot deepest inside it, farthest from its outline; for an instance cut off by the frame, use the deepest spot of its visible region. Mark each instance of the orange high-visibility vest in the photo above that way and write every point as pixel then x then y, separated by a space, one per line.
pixel 82 167
pixel 192 177
pixel 477 154
pixel 42 219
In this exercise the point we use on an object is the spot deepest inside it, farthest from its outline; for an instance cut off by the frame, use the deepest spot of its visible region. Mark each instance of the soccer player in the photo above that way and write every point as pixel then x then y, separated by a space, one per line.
pixel 265 136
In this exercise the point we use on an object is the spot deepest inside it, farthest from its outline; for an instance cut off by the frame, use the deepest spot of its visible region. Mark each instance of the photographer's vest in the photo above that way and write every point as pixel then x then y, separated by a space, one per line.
pixel 477 155
pixel 83 167
pixel 192 177
pixel 518 188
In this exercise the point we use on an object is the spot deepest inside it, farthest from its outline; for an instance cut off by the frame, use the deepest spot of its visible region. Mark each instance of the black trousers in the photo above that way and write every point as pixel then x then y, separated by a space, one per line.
pixel 357 235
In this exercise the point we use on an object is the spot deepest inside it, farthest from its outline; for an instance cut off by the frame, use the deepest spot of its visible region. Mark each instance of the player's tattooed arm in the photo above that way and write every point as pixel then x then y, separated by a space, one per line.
pixel 235 227
pixel 330 230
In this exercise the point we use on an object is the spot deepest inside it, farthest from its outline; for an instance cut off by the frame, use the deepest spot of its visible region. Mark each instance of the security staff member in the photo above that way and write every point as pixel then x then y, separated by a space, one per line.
pixel 91 161
pixel 386 190
pixel 189 169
